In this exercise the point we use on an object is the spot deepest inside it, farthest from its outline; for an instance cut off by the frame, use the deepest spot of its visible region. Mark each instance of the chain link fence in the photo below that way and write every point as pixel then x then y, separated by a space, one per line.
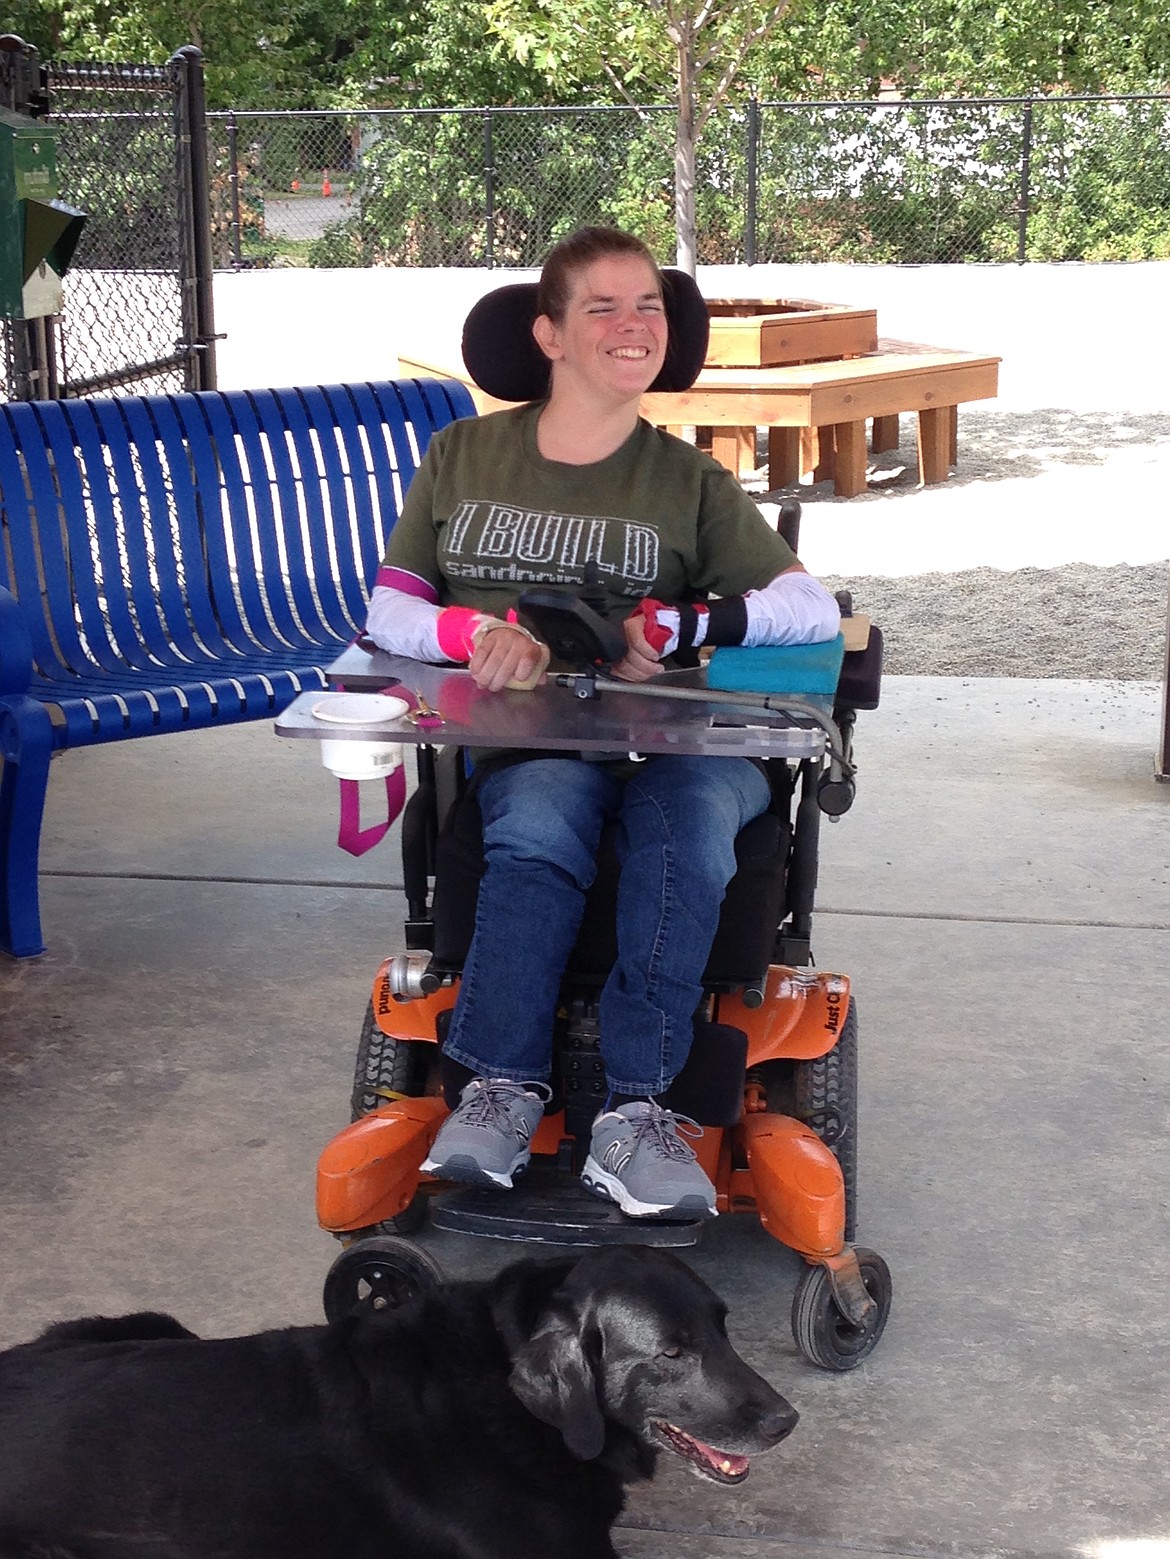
pixel 130 153
pixel 116 154
pixel 977 180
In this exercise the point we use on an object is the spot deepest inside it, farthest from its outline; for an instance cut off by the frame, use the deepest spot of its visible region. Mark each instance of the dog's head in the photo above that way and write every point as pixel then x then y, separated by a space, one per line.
pixel 628 1339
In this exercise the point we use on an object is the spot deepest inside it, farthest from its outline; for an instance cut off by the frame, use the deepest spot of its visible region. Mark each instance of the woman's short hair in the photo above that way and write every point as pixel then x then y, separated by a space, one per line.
pixel 573 254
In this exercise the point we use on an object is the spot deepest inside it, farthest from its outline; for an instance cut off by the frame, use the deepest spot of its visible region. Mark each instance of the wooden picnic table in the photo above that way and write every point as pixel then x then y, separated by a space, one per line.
pixel 815 413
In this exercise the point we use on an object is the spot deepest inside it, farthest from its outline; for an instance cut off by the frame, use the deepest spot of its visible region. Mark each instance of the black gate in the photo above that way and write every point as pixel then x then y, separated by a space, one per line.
pixel 131 152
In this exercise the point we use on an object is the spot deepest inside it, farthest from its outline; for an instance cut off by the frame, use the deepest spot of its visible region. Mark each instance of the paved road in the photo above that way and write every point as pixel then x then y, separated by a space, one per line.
pixel 305 216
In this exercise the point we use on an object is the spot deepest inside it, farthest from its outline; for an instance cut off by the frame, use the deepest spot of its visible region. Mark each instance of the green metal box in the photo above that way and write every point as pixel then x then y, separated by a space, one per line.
pixel 38 232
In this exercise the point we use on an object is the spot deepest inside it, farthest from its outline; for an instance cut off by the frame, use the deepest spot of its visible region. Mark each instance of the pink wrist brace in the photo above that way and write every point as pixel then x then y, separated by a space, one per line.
pixel 455 626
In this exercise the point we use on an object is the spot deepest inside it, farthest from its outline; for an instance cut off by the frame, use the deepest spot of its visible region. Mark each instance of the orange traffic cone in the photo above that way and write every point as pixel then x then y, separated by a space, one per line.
pixel 326 187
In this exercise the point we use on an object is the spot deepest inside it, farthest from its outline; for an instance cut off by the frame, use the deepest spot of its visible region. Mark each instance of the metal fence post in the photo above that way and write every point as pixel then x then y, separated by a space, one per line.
pixel 234 185
pixel 753 169
pixel 199 303
pixel 1025 185
pixel 489 191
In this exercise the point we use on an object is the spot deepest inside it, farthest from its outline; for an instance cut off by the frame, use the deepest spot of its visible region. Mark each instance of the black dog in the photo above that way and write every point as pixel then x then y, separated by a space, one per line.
pixel 485 1419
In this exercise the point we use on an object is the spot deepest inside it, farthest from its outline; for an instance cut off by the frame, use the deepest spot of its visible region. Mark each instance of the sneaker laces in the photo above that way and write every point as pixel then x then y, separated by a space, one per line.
pixel 664 1132
pixel 489 1105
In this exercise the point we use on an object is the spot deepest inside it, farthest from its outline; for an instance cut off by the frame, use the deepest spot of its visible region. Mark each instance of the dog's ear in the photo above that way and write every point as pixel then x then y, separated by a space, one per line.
pixel 553 1377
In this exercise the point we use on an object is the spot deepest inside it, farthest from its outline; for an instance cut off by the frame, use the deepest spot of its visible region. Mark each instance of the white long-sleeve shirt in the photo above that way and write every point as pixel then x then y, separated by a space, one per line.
pixel 794 608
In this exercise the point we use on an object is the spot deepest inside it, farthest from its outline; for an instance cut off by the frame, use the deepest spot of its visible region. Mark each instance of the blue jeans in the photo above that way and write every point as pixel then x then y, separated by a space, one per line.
pixel 542 819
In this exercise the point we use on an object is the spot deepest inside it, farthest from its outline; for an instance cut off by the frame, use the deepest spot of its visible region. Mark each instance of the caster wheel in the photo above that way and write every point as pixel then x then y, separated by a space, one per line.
pixel 377 1274
pixel 822 1333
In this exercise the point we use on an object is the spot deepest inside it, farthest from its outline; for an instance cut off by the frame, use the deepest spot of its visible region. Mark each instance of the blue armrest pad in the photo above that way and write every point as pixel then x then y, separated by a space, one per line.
pixel 778 668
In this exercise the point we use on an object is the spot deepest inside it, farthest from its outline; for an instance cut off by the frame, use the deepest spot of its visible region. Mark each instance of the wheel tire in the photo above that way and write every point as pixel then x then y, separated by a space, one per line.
pixel 410 1220
pixel 824 1096
pixel 400 1065
pixel 377 1274
pixel 822 1333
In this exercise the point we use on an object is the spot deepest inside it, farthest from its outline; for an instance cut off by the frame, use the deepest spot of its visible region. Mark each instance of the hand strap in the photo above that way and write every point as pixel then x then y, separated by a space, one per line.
pixel 351 836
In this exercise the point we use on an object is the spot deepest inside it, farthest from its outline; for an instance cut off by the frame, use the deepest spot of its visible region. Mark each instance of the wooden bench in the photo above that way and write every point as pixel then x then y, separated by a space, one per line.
pixel 174 562
pixel 815 413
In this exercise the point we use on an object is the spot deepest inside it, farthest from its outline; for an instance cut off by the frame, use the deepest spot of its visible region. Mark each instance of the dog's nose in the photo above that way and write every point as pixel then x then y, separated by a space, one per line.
pixel 778 1421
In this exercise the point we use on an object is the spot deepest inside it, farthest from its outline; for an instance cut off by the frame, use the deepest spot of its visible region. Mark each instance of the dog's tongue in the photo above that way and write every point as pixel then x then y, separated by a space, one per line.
pixel 717 1464
pixel 726 1465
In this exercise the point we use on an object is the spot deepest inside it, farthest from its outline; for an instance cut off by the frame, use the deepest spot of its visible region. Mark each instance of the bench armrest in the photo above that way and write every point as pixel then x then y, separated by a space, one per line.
pixel 16 664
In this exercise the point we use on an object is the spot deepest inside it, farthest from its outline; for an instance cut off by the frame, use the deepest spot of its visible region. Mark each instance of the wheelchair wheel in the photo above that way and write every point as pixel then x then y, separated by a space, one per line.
pixel 377 1274
pixel 388 1065
pixel 385 1063
pixel 825 1098
pixel 822 1333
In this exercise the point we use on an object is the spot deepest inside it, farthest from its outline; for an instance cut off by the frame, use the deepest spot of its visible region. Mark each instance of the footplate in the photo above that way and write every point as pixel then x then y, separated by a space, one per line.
pixel 549 1207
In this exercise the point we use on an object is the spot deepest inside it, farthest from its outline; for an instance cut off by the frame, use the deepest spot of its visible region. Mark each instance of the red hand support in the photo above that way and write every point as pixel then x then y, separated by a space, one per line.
pixel 657 637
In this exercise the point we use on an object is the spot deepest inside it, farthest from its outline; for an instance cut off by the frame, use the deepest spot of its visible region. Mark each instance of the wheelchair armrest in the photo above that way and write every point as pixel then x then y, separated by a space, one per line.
pixel 860 683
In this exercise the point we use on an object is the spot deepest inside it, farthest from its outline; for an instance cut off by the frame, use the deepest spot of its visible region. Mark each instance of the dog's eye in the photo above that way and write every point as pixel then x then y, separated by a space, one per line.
pixel 673 1352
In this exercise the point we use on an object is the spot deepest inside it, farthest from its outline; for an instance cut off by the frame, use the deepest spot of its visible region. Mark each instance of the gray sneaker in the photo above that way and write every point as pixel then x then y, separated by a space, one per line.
pixel 639 1158
pixel 485 1140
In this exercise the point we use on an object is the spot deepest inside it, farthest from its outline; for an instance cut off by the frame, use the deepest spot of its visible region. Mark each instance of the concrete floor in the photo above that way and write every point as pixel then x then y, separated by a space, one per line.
pixel 1000 895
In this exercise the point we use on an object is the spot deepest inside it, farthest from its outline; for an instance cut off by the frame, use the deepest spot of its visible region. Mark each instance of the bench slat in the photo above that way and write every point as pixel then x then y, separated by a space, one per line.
pixel 40 577
pixel 107 532
pixel 233 578
pixel 176 608
pixel 349 494
pixel 362 551
pixel 140 534
pixel 309 543
pixel 185 508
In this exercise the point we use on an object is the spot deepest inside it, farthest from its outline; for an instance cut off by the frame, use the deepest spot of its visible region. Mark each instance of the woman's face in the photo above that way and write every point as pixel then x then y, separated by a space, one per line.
pixel 612 340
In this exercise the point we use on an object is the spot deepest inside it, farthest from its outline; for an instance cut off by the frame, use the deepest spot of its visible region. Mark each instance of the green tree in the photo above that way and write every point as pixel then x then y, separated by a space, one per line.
pixel 439 54
pixel 692 51
pixel 294 55
pixel 839 48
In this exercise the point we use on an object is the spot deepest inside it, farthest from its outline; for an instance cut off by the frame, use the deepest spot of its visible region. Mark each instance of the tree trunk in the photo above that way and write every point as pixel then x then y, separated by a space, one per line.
pixel 686 237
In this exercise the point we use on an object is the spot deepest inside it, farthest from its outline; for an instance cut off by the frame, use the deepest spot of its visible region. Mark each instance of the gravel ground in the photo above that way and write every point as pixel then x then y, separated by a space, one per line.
pixel 1073 621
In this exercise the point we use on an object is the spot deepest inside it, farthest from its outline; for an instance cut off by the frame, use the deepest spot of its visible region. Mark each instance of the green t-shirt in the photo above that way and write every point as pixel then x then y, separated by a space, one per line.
pixel 487 517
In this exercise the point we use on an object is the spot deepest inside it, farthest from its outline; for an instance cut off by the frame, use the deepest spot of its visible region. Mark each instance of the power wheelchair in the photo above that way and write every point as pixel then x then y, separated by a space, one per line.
pixel 772 1074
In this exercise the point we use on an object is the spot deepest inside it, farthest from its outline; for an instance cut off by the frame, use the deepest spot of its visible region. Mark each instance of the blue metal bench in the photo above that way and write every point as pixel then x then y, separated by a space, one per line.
pixel 172 562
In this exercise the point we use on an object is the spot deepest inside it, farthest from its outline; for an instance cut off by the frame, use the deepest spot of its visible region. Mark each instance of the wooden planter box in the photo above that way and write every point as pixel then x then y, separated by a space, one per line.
pixel 770 332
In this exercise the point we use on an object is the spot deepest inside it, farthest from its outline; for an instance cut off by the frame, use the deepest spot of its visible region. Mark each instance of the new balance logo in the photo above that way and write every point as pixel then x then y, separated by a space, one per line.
pixel 616 1156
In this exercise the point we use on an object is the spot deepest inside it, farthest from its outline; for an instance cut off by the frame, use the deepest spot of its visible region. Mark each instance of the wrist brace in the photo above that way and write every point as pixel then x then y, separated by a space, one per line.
pixel 456 627
pixel 461 630
pixel 685 625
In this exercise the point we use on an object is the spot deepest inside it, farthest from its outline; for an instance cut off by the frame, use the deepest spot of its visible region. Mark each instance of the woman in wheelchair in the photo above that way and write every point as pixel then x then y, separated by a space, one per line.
pixel 529 496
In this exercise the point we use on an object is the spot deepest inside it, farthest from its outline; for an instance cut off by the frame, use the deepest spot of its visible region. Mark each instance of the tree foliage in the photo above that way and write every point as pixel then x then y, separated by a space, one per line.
pixel 349 53
pixel 289 56
pixel 690 52
pixel 949 48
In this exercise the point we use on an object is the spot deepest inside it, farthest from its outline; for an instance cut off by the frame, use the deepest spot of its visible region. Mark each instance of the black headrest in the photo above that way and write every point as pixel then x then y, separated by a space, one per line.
pixel 503 358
